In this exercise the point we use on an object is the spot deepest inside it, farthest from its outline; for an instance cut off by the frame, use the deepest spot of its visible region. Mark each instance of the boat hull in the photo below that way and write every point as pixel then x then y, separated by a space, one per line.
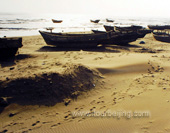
pixel 121 38
pixel 57 21
pixel 73 40
pixel 163 37
pixel 109 20
pixel 159 27
pixel 109 28
pixel 9 46
pixel 95 21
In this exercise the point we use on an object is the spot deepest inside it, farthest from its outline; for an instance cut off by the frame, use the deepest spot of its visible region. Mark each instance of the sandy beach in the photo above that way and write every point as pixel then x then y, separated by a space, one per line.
pixel 105 89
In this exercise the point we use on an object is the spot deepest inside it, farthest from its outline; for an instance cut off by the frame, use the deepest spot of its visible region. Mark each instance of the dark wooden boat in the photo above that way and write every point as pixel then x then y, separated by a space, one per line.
pixel 95 21
pixel 109 20
pixel 142 32
pixel 9 46
pixel 159 27
pixel 128 28
pixel 90 40
pixel 123 37
pixel 86 40
pixel 73 40
pixel 116 28
pixel 162 36
pixel 109 28
pixel 57 21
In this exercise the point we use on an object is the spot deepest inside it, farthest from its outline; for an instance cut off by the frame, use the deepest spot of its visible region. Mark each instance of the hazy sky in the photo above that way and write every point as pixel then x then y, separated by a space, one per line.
pixel 100 7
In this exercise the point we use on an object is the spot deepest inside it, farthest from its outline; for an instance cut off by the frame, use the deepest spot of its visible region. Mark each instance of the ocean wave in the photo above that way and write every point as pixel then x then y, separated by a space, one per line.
pixel 10 28
pixel 21 21
pixel 31 20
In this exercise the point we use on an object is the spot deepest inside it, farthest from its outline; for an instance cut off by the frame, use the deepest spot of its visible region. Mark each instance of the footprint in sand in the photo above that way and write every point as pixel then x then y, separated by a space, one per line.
pixel 92 108
pixel 127 90
pixel 80 109
pixel 140 93
pixel 114 101
pixel 100 102
pixel 81 119
pixel 57 113
pixel 145 128
pixel 101 97
pixel 121 98
pixel 114 93
pixel 102 107
pixel 132 96
pixel 68 116
pixel 34 124
pixel 53 126
pixel 92 102
pixel 76 108
pixel 46 122
pixel 67 112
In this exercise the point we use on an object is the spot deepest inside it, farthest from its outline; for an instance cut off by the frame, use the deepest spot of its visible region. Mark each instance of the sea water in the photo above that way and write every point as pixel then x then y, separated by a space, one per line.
pixel 12 24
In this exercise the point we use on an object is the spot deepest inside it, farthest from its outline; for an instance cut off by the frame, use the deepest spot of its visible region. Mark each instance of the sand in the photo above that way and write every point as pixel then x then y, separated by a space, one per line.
pixel 106 89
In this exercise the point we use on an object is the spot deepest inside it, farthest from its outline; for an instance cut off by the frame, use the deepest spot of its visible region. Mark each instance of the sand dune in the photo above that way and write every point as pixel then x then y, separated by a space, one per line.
pixel 107 89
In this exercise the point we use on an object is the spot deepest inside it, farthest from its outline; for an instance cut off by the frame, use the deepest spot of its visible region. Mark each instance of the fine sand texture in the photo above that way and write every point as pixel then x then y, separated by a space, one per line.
pixel 120 89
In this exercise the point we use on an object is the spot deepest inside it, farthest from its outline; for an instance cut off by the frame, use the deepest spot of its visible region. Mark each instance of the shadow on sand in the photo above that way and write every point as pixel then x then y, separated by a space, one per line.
pixel 49 88
pixel 101 48
pixel 7 62
pixel 97 49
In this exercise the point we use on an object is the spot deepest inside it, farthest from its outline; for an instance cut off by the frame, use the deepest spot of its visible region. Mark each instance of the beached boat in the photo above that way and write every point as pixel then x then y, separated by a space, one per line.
pixel 123 37
pixel 109 20
pixel 139 30
pixel 73 40
pixel 162 36
pixel 116 28
pixel 109 28
pixel 128 28
pixel 86 40
pixel 159 27
pixel 57 21
pixel 82 40
pixel 95 21
pixel 9 46
pixel 142 32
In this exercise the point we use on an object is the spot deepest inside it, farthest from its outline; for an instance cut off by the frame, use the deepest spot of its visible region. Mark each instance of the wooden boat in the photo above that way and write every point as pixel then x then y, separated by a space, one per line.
pixel 124 36
pixel 109 28
pixel 162 36
pixel 95 21
pixel 91 39
pixel 159 27
pixel 128 28
pixel 57 21
pixel 119 38
pixel 116 28
pixel 109 20
pixel 9 46
pixel 73 40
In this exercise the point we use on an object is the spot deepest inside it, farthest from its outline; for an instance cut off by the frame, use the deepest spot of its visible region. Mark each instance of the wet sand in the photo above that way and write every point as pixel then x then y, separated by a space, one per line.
pixel 48 88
